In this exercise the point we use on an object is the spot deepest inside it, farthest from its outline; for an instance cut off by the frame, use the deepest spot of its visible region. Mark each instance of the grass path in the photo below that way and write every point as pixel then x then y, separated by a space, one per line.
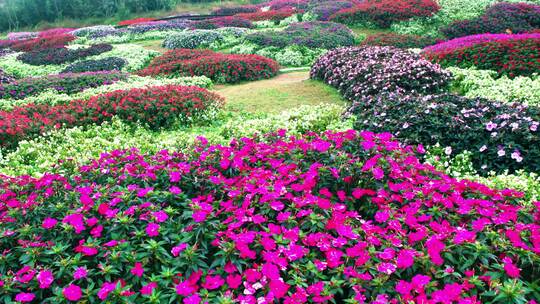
pixel 283 92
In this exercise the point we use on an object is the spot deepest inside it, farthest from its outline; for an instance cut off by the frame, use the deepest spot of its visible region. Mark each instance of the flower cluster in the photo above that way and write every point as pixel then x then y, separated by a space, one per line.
pixel 371 70
pixel 325 9
pixel 192 39
pixel 283 4
pixel 155 107
pixel 214 23
pixel 385 12
pixel 501 136
pixel 508 54
pixel 39 43
pixel 315 34
pixel 5 78
pixel 63 83
pixel 499 18
pixel 400 41
pixel 233 10
pixel 98 31
pixel 221 68
pixel 339 217
pixel 273 15
pixel 159 26
pixel 62 55
pixel 96 65
pixel 135 21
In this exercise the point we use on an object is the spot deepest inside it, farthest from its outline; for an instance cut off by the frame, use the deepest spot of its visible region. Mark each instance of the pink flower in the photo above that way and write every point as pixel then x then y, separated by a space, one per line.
pixel 199 216
pixel 160 216
pixel 185 289
pixel 279 288
pixel 387 268
pixel 45 279
pixel 405 258
pixel 24 297
pixel 213 282
pixel 511 269
pixel 434 248
pixel 105 290
pixel 404 288
pixel 137 270
pixel 419 281
pixel 194 299
pixel 80 273
pixel 148 288
pixel 72 292
pixel 49 223
pixel 234 280
pixel 176 250
pixel 152 229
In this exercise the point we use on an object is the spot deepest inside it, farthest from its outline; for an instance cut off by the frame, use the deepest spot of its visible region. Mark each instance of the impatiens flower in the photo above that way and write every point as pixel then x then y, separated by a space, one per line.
pixel 49 223
pixel 45 279
pixel 234 280
pixel 194 299
pixel 511 270
pixel 176 250
pixel 137 270
pixel 387 268
pixel 80 273
pixel 148 288
pixel 72 292
pixel 213 282
pixel 434 248
pixel 185 288
pixel 24 297
pixel 106 289
pixel 405 258
pixel 152 229
pixel 403 287
pixel 160 216
pixel 419 281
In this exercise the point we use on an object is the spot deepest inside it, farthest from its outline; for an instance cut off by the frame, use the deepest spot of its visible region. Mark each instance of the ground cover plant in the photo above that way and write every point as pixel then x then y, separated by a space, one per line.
pixel 329 220
pixel 221 68
pixel 62 55
pixel 67 83
pixel 155 107
pixel 400 41
pixel 358 72
pixel 508 54
pixel 96 65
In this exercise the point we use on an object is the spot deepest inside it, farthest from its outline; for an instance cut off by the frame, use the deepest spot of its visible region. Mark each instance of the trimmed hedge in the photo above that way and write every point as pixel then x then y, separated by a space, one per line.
pixel 62 55
pixel 400 41
pixel 96 65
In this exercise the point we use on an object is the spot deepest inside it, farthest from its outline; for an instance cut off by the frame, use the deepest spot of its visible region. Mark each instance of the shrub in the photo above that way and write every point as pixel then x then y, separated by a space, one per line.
pixel 371 70
pixel 64 83
pixel 215 23
pixel 159 26
pixel 98 31
pixel 233 10
pixel 284 4
pixel 499 18
pixel 273 15
pixel 62 55
pixel 500 136
pixel 39 43
pixel 135 21
pixel 96 65
pixel 400 41
pixel 5 78
pixel 192 39
pixel 221 68
pixel 325 10
pixel 22 35
pixel 385 12
pixel 354 208
pixel 155 107
pixel 512 55
pixel 317 34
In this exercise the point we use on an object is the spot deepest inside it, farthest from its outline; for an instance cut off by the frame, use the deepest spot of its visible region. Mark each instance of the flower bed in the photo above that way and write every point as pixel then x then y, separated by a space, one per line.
pixel 221 68
pixel 98 31
pixel 512 55
pixel 135 21
pixel 273 15
pixel 282 220
pixel 96 65
pixel 233 10
pixel 502 137
pixel 400 41
pixel 215 23
pixel 499 18
pixel 159 26
pixel 155 107
pixel 317 34
pixel 385 12
pixel 39 43
pixel 371 70
pixel 325 9
pixel 5 78
pixel 192 39
pixel 62 55
pixel 64 83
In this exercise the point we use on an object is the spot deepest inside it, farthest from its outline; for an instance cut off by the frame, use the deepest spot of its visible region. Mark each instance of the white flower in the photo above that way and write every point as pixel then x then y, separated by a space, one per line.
pixel 448 150
pixel 483 148
pixel 501 153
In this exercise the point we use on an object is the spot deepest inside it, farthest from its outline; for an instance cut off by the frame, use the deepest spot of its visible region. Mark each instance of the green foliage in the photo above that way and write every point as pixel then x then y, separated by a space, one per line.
pixel 484 83
pixel 78 145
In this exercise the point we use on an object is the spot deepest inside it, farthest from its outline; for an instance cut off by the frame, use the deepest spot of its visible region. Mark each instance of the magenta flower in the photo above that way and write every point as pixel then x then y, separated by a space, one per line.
pixel 49 223
pixel 80 273
pixel 511 270
pixel 45 279
pixel 160 216
pixel 213 282
pixel 148 288
pixel 105 290
pixel 137 270
pixel 72 293
pixel 387 268
pixel 194 299
pixel 185 288
pixel 24 297
pixel 176 250
pixel 152 229
pixel 405 258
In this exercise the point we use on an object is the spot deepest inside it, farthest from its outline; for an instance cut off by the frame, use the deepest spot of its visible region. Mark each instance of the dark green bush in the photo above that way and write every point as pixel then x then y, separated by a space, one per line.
pixel 105 64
